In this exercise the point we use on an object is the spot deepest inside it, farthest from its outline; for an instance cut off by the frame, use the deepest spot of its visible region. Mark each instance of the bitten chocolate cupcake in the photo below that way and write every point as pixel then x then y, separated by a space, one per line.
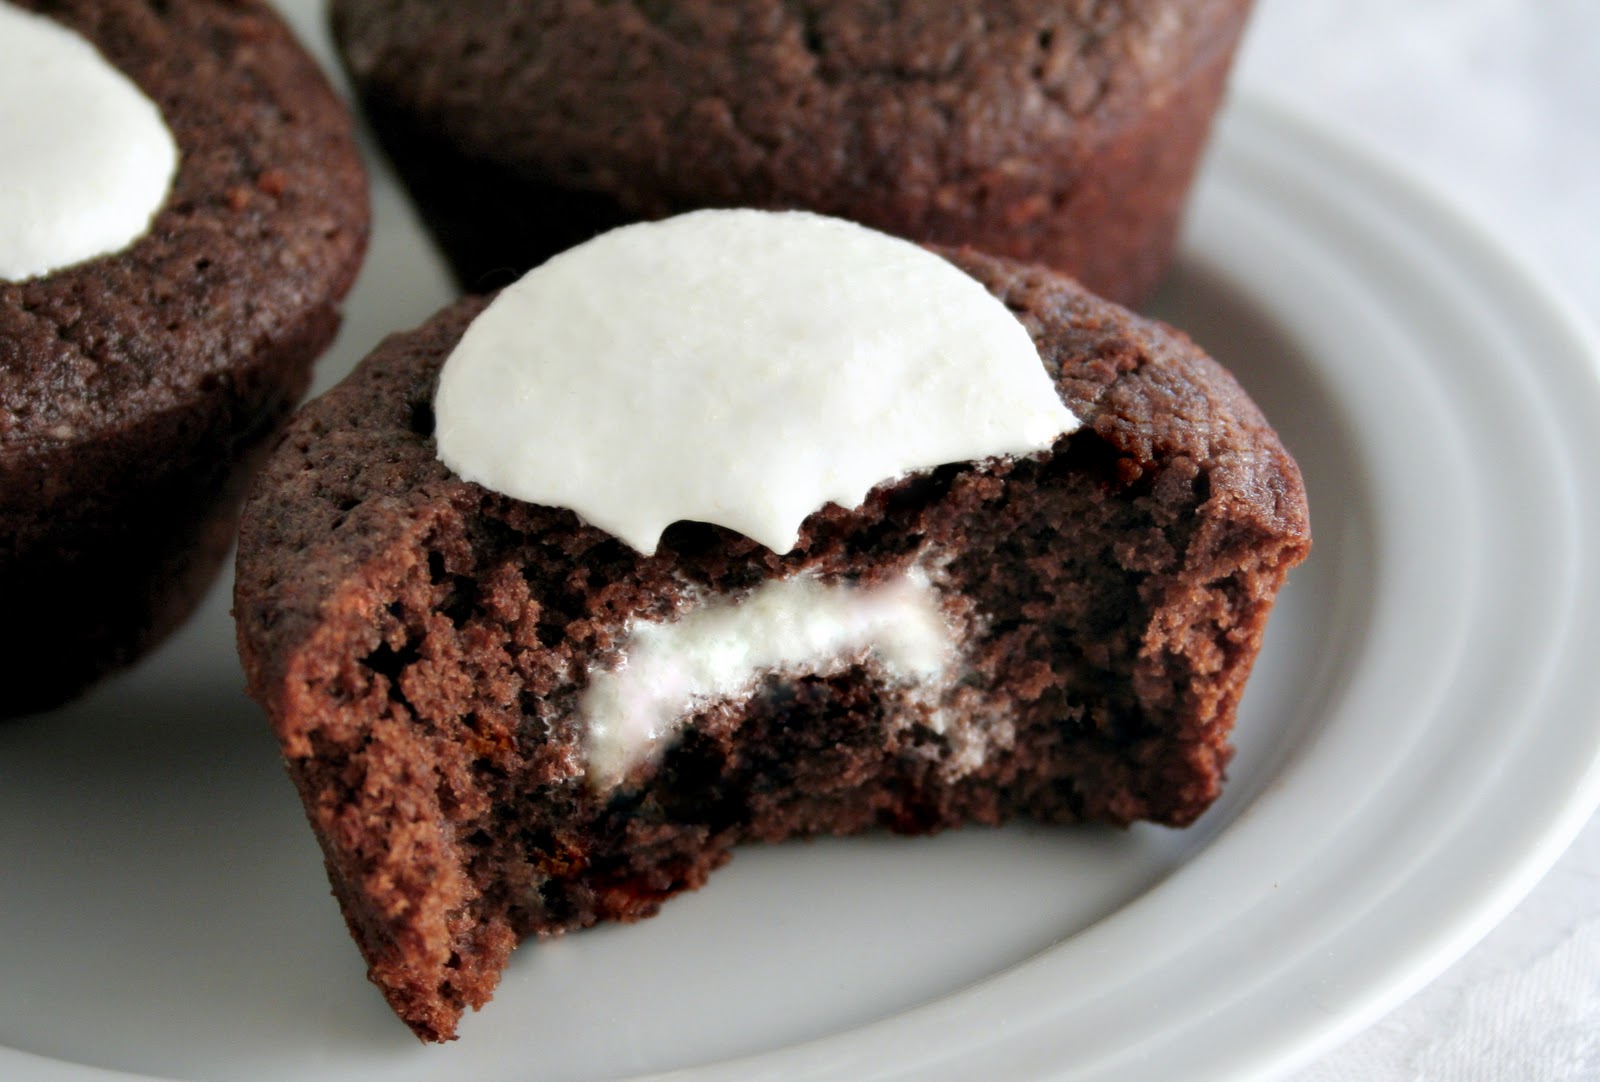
pixel 181 210
pixel 1057 132
pixel 735 527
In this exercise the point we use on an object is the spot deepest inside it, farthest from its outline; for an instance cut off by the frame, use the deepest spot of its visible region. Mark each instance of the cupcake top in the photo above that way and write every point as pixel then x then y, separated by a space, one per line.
pixel 737 367
pixel 86 160
pixel 256 236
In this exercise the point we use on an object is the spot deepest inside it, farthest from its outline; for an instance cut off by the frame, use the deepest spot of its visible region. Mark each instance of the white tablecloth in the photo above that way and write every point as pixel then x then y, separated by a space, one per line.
pixel 1496 104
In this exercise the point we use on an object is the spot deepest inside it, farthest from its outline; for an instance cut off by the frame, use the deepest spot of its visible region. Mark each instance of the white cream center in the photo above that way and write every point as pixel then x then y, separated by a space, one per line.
pixel 85 159
pixel 738 367
pixel 800 625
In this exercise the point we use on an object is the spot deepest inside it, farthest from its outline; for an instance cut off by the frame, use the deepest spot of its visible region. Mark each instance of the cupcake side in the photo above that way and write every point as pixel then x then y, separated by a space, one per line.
pixel 1065 134
pixel 140 386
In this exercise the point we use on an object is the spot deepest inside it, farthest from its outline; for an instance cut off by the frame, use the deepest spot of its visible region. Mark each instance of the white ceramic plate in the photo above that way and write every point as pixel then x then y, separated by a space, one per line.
pixel 1419 742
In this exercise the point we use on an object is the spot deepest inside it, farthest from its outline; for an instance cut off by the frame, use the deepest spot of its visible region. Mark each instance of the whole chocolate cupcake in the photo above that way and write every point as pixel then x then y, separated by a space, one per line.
pixel 1059 132
pixel 142 373
pixel 514 715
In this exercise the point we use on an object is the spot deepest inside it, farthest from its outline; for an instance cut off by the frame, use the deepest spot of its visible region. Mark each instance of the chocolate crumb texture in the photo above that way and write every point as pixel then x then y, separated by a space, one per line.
pixel 420 645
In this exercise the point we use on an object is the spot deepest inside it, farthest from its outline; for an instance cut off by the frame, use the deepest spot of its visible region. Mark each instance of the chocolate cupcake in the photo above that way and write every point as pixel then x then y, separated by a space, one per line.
pixel 1061 133
pixel 172 257
pixel 561 692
